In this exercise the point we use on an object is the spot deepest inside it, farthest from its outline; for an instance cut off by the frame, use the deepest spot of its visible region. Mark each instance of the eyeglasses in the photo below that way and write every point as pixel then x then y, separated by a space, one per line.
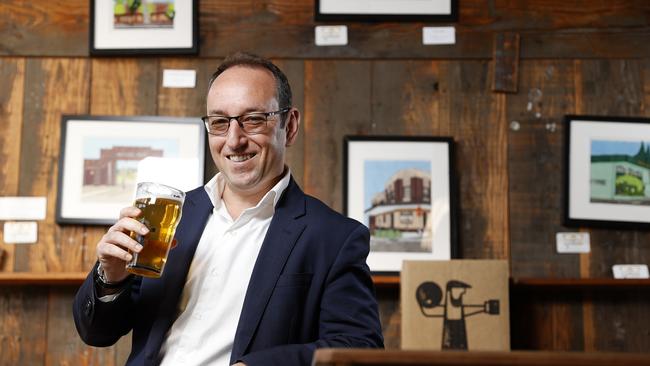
pixel 250 123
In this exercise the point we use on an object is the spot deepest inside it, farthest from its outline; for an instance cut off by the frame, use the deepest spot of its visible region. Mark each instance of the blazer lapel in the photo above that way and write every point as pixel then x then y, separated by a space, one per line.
pixel 284 231
pixel 196 210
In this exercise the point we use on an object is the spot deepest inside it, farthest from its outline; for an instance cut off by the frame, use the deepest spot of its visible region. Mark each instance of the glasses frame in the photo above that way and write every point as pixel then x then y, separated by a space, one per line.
pixel 267 115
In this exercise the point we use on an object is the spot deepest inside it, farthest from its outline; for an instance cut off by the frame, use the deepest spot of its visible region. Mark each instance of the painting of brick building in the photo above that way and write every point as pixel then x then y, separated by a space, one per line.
pixel 110 166
pixel 398 205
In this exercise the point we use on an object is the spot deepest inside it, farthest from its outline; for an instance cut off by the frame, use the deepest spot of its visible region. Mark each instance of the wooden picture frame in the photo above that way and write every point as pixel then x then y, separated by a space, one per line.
pixel 607 172
pixel 404 190
pixel 102 158
pixel 162 29
pixel 387 10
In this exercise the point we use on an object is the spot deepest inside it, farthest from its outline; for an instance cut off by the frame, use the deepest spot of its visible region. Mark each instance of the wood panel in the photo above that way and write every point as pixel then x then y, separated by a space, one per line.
pixel 44 28
pixel 337 103
pixel 12 75
pixel 284 28
pixel 615 88
pixel 23 326
pixel 535 163
pixel 477 120
pixel 406 99
pixel 53 87
pixel 188 102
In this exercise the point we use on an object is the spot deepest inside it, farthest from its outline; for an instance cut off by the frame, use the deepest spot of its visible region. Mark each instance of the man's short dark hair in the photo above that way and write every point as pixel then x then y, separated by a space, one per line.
pixel 251 60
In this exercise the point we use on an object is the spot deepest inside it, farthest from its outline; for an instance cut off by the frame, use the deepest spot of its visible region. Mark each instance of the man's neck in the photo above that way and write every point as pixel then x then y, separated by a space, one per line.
pixel 237 201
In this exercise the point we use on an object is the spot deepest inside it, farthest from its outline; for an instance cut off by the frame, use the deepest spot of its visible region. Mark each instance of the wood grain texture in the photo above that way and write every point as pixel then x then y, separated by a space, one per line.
pixel 23 326
pixel 337 103
pixel 53 87
pixel 284 28
pixel 615 88
pixel 188 102
pixel 44 28
pixel 535 162
pixel 506 62
pixel 478 123
pixel 12 75
pixel 405 99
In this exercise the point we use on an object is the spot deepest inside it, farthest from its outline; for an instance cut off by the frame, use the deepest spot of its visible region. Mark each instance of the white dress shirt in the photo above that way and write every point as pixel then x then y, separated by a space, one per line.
pixel 217 280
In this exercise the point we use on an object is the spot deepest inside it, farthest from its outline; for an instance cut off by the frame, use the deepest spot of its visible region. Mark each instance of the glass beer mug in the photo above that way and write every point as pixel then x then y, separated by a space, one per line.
pixel 161 208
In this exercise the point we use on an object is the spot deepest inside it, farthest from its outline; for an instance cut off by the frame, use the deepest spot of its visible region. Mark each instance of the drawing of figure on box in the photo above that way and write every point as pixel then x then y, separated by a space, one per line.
pixel 453 311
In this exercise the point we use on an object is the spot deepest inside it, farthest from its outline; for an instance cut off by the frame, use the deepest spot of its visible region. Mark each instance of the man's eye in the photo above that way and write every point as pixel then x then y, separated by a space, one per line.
pixel 254 118
pixel 219 121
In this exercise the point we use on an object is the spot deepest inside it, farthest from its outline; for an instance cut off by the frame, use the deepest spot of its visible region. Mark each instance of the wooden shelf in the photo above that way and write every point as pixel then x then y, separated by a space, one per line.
pixel 556 283
pixel 76 278
pixel 48 278
pixel 581 283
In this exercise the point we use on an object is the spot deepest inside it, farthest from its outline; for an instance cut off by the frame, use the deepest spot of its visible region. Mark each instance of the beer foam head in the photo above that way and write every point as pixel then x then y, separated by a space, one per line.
pixel 157 190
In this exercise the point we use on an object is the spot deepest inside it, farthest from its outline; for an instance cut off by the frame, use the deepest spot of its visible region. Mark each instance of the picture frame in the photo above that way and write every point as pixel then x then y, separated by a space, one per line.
pixel 404 190
pixel 102 158
pixel 161 27
pixel 607 172
pixel 387 10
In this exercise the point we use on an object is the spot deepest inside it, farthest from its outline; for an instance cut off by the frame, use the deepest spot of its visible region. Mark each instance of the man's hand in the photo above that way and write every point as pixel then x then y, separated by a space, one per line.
pixel 112 249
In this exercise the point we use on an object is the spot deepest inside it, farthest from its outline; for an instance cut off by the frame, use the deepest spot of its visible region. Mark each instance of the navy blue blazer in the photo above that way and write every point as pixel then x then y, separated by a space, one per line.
pixel 310 288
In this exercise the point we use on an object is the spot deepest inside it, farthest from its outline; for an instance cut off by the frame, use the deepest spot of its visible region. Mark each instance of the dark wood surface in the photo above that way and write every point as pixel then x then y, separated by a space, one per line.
pixel 350 357
pixel 581 57
pixel 285 29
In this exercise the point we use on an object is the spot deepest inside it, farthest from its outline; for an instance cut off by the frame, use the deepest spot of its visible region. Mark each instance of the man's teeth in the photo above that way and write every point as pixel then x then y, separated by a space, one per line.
pixel 240 158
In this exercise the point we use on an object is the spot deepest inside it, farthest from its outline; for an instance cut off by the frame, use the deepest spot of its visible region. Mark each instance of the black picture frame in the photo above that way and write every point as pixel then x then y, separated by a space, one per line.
pixel 182 38
pixel 607 172
pixel 391 13
pixel 103 157
pixel 373 163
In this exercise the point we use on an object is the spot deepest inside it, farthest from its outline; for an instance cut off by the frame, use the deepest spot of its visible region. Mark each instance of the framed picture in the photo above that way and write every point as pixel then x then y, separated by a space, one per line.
pixel 143 27
pixel 387 10
pixel 102 158
pixel 403 189
pixel 607 172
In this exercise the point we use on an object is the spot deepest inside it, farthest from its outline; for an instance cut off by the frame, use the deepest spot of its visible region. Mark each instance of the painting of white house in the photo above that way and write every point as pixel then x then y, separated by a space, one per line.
pixel 620 172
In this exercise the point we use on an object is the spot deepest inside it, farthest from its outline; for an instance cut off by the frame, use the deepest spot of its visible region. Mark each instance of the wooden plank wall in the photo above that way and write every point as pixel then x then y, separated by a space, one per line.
pixel 580 57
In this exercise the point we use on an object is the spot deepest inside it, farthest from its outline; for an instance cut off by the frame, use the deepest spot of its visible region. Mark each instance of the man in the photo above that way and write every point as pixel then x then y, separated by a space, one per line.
pixel 262 274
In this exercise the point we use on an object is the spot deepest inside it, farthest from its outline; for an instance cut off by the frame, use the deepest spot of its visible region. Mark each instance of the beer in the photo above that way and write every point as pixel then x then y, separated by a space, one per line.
pixel 160 214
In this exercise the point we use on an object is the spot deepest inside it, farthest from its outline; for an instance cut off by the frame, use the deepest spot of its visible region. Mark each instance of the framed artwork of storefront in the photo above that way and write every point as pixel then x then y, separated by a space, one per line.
pixel 607 172
pixel 102 158
pixel 146 27
pixel 403 189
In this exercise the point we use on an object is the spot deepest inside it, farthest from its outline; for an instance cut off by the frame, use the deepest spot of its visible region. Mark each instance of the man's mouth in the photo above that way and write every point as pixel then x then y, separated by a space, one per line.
pixel 238 158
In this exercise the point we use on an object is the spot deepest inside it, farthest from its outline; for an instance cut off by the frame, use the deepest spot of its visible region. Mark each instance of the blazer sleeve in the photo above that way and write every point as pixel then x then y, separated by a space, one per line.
pixel 349 316
pixel 98 323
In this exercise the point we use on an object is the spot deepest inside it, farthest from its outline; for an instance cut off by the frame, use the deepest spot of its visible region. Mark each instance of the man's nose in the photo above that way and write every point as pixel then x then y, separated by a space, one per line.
pixel 235 136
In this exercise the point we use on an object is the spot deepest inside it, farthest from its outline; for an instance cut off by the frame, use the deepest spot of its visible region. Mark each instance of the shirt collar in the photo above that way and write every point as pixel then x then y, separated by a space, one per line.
pixel 216 185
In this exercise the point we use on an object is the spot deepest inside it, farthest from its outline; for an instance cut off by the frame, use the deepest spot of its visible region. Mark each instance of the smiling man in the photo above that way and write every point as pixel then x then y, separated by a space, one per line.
pixel 262 274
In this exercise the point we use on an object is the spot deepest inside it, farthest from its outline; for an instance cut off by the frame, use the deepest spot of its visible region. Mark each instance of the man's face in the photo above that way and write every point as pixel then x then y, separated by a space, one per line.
pixel 249 163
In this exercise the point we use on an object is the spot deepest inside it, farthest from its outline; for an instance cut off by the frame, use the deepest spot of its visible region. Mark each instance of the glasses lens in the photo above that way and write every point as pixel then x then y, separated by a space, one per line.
pixel 218 125
pixel 254 122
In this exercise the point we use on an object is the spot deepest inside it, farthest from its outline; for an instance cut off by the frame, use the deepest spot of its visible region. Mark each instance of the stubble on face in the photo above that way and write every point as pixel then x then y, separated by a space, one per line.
pixel 251 164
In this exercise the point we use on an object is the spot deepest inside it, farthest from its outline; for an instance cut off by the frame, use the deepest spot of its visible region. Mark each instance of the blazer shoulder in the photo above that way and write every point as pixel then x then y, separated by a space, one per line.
pixel 317 210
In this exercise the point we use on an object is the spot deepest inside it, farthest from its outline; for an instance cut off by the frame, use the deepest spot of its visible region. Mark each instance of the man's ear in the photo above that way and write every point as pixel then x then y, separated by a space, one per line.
pixel 293 122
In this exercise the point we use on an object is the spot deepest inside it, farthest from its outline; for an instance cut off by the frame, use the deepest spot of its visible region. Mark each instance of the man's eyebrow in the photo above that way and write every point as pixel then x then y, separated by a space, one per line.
pixel 247 110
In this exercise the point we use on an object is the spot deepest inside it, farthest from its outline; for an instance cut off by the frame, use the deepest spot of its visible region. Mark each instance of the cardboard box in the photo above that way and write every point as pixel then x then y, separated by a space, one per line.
pixel 456 305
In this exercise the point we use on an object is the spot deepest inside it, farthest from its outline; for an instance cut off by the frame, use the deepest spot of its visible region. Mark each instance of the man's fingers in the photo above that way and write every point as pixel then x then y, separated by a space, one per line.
pixel 127 224
pixel 129 212
pixel 122 240
pixel 115 252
